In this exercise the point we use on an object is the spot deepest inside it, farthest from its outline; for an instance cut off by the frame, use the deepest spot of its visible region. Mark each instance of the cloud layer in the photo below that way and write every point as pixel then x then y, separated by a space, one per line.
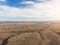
pixel 43 10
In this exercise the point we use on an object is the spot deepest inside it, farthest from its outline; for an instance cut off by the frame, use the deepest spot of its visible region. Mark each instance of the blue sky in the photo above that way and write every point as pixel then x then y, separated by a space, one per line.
pixel 29 10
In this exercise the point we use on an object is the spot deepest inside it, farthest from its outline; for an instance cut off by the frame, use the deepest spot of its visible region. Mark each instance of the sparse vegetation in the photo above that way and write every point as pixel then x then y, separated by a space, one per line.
pixel 30 34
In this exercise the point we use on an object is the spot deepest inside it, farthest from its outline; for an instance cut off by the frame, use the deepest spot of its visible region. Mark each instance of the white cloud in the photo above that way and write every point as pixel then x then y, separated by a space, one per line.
pixel 46 10
pixel 2 0
pixel 27 2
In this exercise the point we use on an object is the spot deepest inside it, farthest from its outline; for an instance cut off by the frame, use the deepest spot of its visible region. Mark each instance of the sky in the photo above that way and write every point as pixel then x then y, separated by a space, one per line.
pixel 29 10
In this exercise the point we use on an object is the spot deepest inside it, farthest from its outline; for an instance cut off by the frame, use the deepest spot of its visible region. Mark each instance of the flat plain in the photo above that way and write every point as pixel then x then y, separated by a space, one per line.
pixel 28 33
